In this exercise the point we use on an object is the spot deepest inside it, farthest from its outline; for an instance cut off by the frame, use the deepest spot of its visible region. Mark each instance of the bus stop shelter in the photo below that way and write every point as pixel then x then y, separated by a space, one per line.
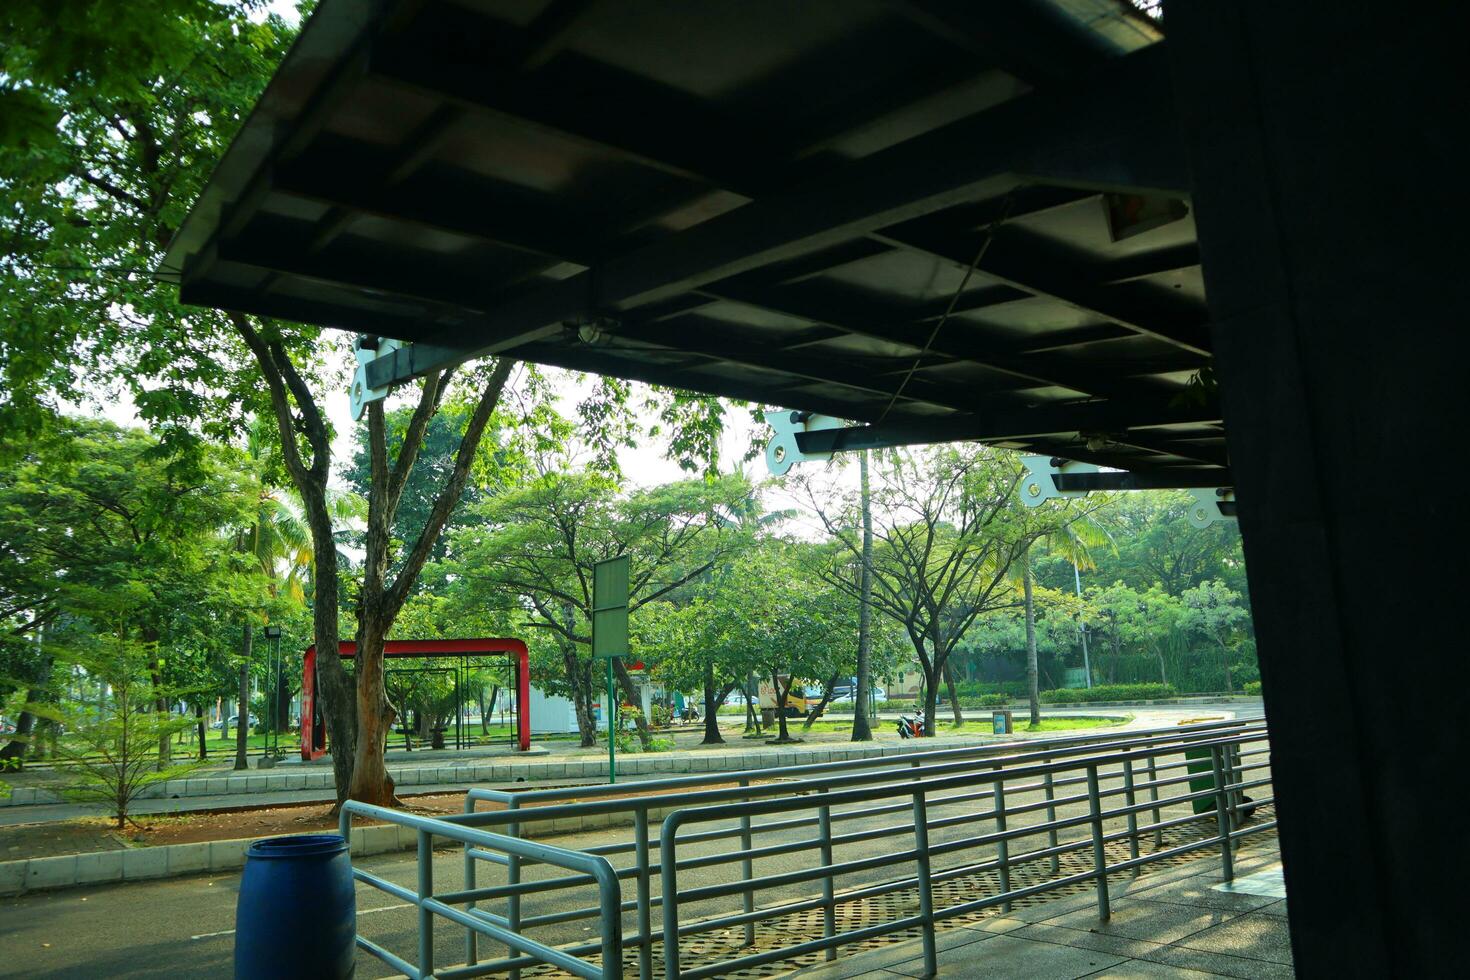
pixel 313 724
pixel 1215 248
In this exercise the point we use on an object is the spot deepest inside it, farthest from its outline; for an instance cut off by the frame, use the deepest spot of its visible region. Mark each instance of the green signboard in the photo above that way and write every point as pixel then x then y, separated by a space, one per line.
pixel 610 637
pixel 610 608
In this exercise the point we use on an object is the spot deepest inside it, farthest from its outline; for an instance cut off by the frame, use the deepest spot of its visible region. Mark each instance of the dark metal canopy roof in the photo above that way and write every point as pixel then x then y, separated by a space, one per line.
pixel 773 201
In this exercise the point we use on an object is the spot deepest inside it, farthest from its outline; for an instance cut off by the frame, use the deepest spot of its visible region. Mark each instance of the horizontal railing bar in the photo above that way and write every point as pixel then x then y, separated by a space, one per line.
pixel 383 884
pixel 1054 746
pixel 544 953
pixel 769 786
pixel 396 962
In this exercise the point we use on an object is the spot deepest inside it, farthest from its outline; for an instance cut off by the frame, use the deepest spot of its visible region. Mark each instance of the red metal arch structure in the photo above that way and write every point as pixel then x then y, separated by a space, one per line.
pixel 313 727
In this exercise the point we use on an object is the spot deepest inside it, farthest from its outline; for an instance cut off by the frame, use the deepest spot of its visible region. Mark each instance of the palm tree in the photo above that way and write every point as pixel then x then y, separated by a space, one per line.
pixel 279 539
pixel 1074 541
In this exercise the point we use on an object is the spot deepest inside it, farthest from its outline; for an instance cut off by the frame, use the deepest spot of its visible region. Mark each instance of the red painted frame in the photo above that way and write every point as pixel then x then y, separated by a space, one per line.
pixel 423 648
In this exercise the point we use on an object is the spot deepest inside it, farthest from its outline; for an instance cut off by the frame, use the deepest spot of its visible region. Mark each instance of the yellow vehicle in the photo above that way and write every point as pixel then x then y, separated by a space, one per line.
pixel 797 701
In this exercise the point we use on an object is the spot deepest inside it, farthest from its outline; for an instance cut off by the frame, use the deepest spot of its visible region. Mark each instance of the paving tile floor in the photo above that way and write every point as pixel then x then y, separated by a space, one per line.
pixel 1175 924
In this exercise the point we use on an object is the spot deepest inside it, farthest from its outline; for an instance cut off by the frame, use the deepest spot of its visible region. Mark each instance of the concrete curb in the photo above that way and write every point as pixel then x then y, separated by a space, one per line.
pixel 507 771
pixel 209 857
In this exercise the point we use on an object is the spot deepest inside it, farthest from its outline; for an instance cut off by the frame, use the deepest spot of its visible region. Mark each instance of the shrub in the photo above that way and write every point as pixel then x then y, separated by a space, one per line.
pixel 1109 692
pixel 1253 688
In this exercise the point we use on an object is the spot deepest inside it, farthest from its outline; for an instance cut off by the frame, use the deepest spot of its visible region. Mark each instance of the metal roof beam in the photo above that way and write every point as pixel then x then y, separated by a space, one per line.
pixel 1012 424
pixel 968 160
pixel 1026 261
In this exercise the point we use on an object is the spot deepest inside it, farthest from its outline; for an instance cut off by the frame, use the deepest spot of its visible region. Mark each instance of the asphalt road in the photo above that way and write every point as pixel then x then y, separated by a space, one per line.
pixel 184 927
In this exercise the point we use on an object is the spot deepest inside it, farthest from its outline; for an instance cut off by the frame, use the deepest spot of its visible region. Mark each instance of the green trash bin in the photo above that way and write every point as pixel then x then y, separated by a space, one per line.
pixel 1200 763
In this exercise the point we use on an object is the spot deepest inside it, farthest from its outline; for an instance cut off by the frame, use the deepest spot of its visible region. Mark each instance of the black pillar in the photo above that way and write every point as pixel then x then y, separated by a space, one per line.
pixel 1325 143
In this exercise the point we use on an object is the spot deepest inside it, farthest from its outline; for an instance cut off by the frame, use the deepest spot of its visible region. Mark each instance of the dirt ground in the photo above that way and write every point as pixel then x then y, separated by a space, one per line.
pixel 85 834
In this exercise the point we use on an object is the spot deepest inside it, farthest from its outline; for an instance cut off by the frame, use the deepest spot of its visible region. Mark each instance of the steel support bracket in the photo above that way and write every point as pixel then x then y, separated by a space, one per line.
pixel 783 450
pixel 1212 505
pixel 367 350
pixel 1040 484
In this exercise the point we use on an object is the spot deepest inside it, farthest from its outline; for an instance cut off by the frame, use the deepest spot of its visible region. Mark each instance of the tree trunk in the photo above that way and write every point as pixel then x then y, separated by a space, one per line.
pixel 630 691
pixel 1225 664
pixel 242 730
pixel 370 780
pixel 579 677
pixel 1033 680
pixel 25 725
pixel 752 717
pixel 160 702
pixel 224 719
pixel 712 734
pixel 954 696
pixel 781 692
pixel 203 730
pixel 815 713
pixel 862 729
pixel 931 700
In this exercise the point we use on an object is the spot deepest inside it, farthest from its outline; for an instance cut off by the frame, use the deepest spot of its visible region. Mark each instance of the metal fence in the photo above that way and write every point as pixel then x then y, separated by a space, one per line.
pixel 852 852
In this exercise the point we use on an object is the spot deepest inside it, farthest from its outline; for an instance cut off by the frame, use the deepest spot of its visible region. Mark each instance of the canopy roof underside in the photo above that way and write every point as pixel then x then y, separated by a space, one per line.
pixel 771 201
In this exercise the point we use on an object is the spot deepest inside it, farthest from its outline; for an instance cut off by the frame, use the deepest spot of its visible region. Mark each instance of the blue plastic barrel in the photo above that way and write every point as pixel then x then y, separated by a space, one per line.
pixel 297 914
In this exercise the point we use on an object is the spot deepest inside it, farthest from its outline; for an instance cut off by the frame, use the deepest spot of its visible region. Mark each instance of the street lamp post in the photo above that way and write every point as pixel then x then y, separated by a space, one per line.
pixel 272 688
pixel 1086 660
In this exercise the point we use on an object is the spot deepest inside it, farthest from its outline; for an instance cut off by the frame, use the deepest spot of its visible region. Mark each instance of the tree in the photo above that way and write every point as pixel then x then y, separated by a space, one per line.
pixel 1214 612
pixel 98 177
pixel 1074 540
pixel 131 539
pixel 770 615
pixel 949 531
pixel 117 755
pixel 862 730
pixel 538 543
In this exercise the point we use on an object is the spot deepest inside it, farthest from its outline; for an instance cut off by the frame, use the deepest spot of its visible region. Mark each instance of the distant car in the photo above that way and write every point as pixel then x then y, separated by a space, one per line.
pixel 234 722
pixel 847 692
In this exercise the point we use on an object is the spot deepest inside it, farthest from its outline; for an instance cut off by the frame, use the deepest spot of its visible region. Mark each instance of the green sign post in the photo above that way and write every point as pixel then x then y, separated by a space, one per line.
pixel 610 637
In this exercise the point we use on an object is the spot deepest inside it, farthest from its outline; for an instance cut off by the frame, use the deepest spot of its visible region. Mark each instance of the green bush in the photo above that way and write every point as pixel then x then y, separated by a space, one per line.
pixel 1109 692
pixel 1253 688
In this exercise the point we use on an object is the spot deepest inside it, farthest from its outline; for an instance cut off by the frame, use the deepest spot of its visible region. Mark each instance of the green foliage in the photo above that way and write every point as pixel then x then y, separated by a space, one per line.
pixel 115 113
pixel 1253 688
pixel 113 750
pixel 1109 692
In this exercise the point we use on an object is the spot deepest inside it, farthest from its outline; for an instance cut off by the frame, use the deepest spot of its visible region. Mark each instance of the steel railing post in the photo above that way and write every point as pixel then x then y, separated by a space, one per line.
pixel 1051 817
pixel 471 876
pixel 747 872
pixel 1153 790
pixel 669 882
pixel 1222 812
pixel 1236 796
pixel 1002 847
pixel 1099 852
pixel 513 877
pixel 426 891
pixel 829 907
pixel 926 887
pixel 645 944
pixel 1131 798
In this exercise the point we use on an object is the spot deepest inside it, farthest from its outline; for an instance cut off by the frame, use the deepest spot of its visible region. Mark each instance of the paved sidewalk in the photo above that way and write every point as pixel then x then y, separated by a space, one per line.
pixel 1174 924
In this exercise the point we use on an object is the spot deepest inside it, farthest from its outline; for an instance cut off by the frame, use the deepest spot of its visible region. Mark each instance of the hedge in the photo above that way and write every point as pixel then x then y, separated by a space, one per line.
pixel 1110 692
pixel 1253 688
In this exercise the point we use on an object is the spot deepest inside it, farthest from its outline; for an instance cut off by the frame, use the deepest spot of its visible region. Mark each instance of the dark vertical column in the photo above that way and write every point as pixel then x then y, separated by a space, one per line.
pixel 1325 144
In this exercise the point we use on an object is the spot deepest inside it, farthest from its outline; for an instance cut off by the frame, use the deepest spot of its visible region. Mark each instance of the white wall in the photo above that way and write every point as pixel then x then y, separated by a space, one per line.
pixel 551 714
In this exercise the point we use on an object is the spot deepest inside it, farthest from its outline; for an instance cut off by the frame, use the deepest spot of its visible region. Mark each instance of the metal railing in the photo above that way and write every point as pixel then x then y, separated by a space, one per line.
pixel 718 827
pixel 593 869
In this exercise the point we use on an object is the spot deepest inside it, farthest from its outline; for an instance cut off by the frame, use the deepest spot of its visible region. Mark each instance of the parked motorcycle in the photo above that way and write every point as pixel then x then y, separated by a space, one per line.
pixel 910 726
